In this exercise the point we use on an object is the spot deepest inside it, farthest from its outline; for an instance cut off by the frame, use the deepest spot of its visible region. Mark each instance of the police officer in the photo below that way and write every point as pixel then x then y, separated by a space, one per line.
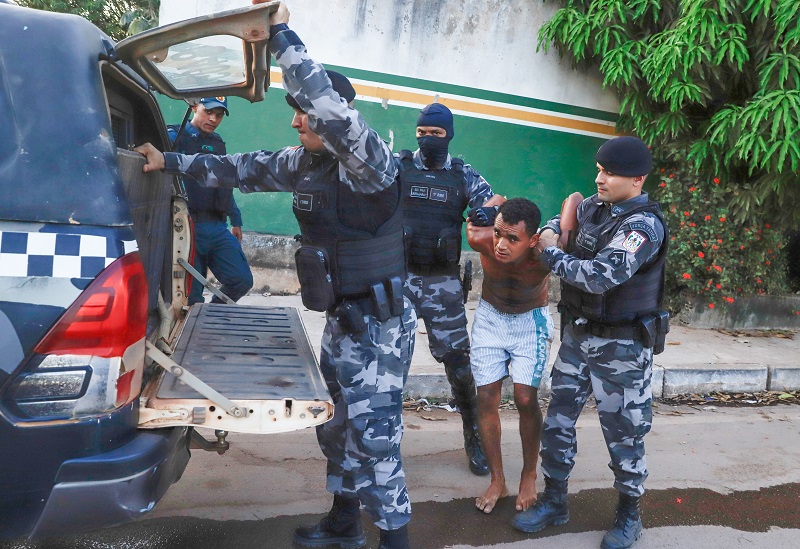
pixel 436 189
pixel 611 293
pixel 216 247
pixel 351 265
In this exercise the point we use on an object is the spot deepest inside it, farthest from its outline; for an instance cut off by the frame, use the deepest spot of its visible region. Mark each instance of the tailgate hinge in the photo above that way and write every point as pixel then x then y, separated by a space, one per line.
pixel 193 381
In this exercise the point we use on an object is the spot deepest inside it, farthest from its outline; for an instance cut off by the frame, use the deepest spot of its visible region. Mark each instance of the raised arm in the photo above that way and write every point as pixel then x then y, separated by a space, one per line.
pixel 366 160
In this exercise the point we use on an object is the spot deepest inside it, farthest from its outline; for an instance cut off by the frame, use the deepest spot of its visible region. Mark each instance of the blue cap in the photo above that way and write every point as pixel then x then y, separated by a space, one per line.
pixel 437 115
pixel 216 103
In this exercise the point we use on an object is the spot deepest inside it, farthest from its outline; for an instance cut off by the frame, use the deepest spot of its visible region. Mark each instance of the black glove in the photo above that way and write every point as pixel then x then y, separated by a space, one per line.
pixel 483 217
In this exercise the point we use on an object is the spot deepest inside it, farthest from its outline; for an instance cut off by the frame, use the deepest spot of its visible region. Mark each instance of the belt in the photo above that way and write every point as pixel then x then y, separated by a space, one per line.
pixel 434 270
pixel 202 216
pixel 608 332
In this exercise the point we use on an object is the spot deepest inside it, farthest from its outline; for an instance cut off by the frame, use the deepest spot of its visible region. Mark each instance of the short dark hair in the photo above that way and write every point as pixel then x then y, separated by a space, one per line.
pixel 521 209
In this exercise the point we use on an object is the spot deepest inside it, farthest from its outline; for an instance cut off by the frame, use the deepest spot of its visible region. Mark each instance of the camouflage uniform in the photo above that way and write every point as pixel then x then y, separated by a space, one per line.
pixel 435 290
pixel 365 373
pixel 617 371
pixel 438 298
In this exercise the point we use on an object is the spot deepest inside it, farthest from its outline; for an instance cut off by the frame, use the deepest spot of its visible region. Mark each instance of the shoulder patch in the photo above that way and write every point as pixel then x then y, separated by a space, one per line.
pixel 634 241
pixel 645 228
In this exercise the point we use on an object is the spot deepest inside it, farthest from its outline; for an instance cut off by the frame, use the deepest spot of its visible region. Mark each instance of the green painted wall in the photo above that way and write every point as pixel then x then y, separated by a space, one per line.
pixel 543 165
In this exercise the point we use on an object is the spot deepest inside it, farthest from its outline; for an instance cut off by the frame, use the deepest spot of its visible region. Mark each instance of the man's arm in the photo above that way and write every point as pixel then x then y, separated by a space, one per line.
pixel 259 171
pixel 235 215
pixel 616 263
pixel 481 239
pixel 479 191
pixel 367 161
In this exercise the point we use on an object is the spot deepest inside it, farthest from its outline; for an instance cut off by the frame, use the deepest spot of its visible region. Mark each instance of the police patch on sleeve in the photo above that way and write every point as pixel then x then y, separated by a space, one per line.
pixel 634 241
pixel 617 258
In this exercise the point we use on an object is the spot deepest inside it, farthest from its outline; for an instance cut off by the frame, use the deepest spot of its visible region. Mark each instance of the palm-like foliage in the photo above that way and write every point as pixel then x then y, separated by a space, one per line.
pixel 712 82
pixel 117 18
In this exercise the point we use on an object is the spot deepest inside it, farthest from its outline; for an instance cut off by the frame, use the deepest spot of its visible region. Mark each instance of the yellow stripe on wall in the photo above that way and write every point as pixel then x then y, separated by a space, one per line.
pixel 479 109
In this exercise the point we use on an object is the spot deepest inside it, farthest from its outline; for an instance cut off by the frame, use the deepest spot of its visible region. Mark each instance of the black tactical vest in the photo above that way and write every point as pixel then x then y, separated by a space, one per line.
pixel 640 294
pixel 362 234
pixel 205 203
pixel 433 207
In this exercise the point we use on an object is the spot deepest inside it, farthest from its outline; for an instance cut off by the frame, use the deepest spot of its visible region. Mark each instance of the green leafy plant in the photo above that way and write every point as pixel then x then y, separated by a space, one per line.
pixel 712 259
pixel 713 86
pixel 117 18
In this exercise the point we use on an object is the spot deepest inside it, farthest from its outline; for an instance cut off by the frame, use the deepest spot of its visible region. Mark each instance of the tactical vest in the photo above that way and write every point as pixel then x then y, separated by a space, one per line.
pixel 640 294
pixel 433 206
pixel 205 203
pixel 360 250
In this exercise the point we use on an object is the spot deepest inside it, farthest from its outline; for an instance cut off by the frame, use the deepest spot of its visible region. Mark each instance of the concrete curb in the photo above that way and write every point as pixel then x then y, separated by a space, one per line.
pixel 695 361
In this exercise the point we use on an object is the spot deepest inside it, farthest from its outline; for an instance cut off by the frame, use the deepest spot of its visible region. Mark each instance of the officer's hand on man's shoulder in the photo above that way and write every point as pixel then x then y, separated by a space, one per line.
pixel 483 217
pixel 154 157
pixel 547 238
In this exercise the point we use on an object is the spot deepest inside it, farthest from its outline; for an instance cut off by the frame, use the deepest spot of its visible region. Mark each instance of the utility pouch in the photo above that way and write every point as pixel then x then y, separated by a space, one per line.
pixel 647 330
pixel 351 316
pixel 316 284
pixel 565 318
pixel 448 247
pixel 662 329
pixel 381 302
pixel 395 296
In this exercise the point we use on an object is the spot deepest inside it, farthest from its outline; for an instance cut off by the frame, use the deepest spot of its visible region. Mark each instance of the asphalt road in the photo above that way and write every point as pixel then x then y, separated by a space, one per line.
pixel 719 478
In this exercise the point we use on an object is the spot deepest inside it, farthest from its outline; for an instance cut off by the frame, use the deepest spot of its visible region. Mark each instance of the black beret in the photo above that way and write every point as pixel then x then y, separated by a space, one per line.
pixel 627 156
pixel 341 85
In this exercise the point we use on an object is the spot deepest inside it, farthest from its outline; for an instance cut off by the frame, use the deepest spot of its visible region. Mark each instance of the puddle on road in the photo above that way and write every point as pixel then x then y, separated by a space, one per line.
pixel 438 525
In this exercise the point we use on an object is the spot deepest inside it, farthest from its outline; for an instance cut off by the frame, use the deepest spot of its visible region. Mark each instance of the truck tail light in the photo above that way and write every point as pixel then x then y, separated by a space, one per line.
pixel 91 361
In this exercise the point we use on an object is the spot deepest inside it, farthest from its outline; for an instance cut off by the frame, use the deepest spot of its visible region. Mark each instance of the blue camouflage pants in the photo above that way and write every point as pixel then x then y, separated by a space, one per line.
pixel 439 302
pixel 218 250
pixel 618 372
pixel 365 374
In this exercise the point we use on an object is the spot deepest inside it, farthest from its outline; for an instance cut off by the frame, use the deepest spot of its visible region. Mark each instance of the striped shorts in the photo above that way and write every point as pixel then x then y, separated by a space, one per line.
pixel 506 344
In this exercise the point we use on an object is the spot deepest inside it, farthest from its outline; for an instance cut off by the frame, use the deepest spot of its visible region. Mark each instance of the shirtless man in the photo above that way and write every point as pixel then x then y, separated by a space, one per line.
pixel 511 335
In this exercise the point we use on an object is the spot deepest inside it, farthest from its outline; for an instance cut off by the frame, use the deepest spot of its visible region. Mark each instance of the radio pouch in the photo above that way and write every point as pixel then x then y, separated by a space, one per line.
pixel 662 325
pixel 316 284
pixel 647 330
pixel 448 247
pixel 351 316
pixel 381 302
pixel 395 296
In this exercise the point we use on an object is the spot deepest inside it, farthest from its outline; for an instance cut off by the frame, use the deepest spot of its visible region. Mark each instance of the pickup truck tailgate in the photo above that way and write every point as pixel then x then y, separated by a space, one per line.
pixel 257 357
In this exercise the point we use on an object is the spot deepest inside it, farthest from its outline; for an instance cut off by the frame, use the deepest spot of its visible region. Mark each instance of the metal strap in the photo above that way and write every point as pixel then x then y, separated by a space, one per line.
pixel 193 381
pixel 206 284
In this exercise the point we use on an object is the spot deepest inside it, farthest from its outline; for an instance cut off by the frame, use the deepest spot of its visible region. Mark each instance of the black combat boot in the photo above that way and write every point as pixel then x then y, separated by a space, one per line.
pixel 394 539
pixel 550 508
pixel 341 526
pixel 462 384
pixel 628 526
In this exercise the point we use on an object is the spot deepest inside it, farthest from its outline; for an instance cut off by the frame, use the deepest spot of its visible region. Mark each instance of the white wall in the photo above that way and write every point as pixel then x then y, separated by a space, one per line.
pixel 484 44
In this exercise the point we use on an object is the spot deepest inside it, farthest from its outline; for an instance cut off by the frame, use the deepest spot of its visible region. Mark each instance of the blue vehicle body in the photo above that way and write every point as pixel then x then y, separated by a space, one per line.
pixel 66 464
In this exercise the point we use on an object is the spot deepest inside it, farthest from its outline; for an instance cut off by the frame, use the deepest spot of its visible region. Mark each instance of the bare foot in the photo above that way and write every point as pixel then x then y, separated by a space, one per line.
pixel 527 491
pixel 496 490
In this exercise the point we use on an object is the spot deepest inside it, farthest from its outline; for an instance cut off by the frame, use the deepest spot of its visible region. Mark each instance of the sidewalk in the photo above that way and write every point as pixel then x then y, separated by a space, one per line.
pixel 694 361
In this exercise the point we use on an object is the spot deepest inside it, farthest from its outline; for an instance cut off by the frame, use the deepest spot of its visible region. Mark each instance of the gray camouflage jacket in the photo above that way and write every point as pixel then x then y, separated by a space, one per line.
pixel 620 259
pixel 366 164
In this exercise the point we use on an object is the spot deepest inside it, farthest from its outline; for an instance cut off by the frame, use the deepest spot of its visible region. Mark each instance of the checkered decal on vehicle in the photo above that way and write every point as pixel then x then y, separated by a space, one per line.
pixel 58 255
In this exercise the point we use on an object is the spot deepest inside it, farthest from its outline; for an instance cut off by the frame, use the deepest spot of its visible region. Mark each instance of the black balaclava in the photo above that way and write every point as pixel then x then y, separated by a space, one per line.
pixel 434 149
